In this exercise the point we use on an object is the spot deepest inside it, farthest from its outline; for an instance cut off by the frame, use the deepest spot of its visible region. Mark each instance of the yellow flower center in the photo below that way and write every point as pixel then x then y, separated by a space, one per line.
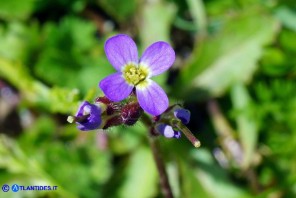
pixel 134 75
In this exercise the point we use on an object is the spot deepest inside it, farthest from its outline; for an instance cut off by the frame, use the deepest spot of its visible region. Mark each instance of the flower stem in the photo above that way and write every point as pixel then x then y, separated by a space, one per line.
pixel 164 181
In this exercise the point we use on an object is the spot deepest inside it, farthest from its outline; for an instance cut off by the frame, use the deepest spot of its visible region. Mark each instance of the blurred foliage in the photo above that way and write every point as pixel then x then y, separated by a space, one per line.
pixel 235 70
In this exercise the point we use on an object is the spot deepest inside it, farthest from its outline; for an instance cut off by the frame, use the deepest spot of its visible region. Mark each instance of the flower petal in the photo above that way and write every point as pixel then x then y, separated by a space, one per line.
pixel 177 134
pixel 93 121
pixel 152 98
pixel 120 50
pixel 115 88
pixel 158 57
pixel 183 115
pixel 167 131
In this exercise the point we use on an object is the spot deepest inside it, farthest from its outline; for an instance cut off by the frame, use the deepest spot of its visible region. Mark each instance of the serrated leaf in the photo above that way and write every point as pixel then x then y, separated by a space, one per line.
pixel 71 48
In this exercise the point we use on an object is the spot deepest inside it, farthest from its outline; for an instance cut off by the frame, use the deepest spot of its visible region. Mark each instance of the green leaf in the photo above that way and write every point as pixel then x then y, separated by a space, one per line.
pixel 197 11
pixel 16 9
pixel 273 62
pixel 191 186
pixel 125 139
pixel 246 122
pixel 71 48
pixel 287 17
pixel 22 169
pixel 227 57
pixel 36 93
pixel 288 41
pixel 17 39
pixel 212 178
pixel 121 10
pixel 151 21
pixel 141 175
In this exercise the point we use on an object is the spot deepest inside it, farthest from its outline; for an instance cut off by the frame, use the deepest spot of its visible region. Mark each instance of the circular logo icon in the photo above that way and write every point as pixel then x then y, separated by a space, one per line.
pixel 5 188
pixel 15 188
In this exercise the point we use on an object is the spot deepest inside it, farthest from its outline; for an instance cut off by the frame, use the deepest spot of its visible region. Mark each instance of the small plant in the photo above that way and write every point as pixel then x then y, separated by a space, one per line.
pixel 130 92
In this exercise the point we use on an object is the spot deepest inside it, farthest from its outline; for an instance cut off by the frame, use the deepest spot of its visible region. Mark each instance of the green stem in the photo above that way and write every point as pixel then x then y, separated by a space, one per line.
pixel 164 181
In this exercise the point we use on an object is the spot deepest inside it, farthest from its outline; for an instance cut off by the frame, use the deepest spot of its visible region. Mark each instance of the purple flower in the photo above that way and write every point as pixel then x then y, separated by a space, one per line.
pixel 168 131
pixel 88 116
pixel 122 53
pixel 183 115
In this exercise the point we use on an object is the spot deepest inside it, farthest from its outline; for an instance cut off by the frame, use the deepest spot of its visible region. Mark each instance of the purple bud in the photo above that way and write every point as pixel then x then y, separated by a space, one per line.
pixel 91 115
pixel 167 131
pixel 183 115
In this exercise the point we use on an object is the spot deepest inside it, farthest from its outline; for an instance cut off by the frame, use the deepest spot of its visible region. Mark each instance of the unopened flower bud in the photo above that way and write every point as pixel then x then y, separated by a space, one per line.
pixel 167 131
pixel 88 117
pixel 130 113
pixel 113 121
pixel 183 115
pixel 172 122
pixel 109 106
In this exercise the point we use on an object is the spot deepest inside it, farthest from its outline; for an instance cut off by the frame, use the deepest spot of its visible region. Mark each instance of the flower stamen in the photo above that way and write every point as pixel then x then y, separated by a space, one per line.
pixel 133 74
pixel 72 119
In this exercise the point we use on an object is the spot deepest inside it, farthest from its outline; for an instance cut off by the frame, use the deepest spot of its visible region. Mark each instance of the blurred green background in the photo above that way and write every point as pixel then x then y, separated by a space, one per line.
pixel 235 71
